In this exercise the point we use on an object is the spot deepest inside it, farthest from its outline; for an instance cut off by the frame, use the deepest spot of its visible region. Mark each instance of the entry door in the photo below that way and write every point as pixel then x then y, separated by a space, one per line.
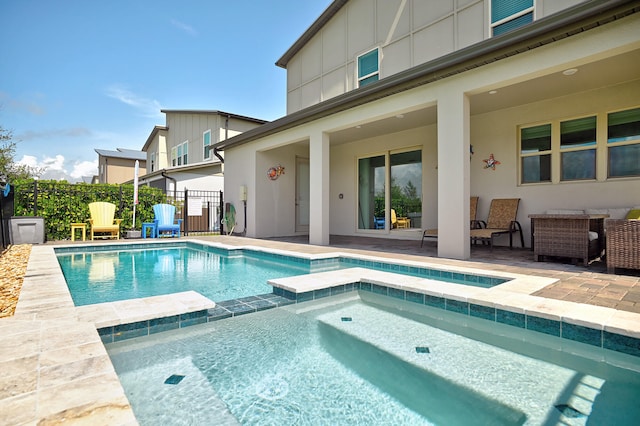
pixel 302 194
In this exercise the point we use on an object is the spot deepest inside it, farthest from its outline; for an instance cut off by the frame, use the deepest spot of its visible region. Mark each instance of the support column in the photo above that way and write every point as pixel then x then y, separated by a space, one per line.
pixel 453 175
pixel 319 189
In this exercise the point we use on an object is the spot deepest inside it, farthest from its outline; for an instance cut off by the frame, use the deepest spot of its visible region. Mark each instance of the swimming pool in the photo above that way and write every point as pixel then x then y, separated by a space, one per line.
pixel 355 359
pixel 99 274
pixel 108 276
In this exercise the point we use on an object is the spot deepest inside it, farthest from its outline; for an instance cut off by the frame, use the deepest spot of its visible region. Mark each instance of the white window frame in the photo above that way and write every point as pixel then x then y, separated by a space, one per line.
pixel 359 79
pixel 206 153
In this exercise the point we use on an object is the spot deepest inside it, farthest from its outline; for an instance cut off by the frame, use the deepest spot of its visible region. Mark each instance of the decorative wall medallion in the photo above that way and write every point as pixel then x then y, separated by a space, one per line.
pixel 274 172
pixel 491 163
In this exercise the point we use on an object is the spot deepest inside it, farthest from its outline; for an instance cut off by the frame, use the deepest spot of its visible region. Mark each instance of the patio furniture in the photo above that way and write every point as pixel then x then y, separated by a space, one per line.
pixel 473 209
pixel 501 220
pixel 577 236
pixel 399 221
pixel 149 227
pixel 165 222
pixel 78 226
pixel 102 221
pixel 378 222
pixel 623 244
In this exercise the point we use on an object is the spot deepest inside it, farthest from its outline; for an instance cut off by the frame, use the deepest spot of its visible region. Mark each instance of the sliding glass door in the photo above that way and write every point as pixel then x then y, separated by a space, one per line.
pixel 401 173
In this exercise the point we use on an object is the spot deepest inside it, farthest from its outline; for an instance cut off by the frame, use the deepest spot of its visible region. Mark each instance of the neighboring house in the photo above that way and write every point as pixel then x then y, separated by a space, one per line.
pixel 180 154
pixel 118 166
pixel 390 102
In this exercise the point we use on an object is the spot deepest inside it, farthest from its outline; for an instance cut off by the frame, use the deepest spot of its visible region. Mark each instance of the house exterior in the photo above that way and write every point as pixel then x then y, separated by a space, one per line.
pixel 409 107
pixel 118 166
pixel 180 154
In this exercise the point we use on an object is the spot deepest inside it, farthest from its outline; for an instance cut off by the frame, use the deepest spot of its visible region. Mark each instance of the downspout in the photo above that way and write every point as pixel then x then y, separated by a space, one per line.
pixel 175 184
pixel 226 136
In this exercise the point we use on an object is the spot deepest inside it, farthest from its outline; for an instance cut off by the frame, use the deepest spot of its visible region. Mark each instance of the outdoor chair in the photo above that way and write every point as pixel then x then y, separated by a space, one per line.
pixel 165 220
pixel 102 221
pixel 501 220
pixel 623 244
pixel 473 208
pixel 378 222
pixel 399 221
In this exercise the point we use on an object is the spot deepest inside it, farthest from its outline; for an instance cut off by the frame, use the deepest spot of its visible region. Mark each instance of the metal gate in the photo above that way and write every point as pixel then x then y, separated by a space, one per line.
pixel 201 211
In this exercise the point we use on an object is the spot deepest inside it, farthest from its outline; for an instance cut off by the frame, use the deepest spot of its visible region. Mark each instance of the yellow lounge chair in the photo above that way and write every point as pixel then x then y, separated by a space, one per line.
pixel 102 221
pixel 399 221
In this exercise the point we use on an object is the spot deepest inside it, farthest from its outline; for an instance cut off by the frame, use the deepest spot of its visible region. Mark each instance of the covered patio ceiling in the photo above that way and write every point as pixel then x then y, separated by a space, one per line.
pixel 610 71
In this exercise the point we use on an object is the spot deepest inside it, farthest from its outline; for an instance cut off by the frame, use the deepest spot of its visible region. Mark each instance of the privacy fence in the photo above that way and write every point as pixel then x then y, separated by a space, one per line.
pixel 61 203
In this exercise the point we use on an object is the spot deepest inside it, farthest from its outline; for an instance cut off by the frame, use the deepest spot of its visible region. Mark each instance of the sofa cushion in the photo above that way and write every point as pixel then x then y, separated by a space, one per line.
pixel 614 213
pixel 633 214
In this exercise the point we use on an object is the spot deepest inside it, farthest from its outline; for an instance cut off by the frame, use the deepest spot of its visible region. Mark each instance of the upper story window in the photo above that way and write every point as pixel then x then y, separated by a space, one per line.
pixel 368 68
pixel 179 154
pixel 579 149
pixel 206 141
pixel 507 15
pixel 152 160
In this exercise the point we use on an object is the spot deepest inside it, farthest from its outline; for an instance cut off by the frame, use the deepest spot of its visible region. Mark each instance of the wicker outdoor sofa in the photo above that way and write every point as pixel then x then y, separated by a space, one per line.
pixel 584 235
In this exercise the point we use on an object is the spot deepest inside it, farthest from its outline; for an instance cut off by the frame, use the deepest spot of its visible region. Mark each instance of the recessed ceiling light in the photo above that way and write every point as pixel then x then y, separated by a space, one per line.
pixel 570 71
pixel 493 92
pixel 358 126
pixel 400 116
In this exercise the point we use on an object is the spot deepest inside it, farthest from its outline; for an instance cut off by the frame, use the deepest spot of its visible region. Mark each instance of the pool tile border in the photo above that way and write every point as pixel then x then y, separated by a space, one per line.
pixel 559 328
pixel 222 310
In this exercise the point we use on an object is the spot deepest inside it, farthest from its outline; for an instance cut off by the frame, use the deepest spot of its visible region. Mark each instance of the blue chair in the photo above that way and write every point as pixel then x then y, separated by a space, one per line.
pixel 165 222
pixel 378 222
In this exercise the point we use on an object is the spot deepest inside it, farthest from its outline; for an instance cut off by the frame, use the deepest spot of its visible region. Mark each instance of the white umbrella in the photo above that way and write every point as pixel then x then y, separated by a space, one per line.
pixel 135 193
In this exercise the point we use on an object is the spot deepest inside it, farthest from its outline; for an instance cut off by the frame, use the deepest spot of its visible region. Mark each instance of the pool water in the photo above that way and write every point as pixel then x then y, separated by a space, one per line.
pixel 354 360
pixel 100 275
pixel 109 276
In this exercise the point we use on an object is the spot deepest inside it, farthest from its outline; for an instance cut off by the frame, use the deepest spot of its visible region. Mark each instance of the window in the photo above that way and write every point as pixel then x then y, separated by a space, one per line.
pixel 206 141
pixel 572 150
pixel 578 149
pixel 623 142
pixel 404 169
pixel 368 68
pixel 185 151
pixel 507 15
pixel 152 160
pixel 179 154
pixel 535 151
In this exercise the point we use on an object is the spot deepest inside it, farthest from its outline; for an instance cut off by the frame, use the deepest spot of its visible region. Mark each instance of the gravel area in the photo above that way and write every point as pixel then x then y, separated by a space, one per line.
pixel 13 265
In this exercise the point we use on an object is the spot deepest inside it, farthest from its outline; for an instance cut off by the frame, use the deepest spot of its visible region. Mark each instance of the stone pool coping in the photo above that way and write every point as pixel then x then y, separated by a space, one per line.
pixel 55 367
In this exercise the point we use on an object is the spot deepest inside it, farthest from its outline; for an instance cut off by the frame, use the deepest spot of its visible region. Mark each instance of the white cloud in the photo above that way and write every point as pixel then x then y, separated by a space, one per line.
pixel 184 27
pixel 148 107
pixel 54 168
pixel 84 169
pixel 73 132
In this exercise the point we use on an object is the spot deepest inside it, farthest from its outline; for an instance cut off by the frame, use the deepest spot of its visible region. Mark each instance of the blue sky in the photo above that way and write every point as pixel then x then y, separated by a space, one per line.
pixel 76 75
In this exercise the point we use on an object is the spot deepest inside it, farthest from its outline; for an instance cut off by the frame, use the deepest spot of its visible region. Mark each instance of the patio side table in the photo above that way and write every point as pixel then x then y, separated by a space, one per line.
pixel 81 227
pixel 151 226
